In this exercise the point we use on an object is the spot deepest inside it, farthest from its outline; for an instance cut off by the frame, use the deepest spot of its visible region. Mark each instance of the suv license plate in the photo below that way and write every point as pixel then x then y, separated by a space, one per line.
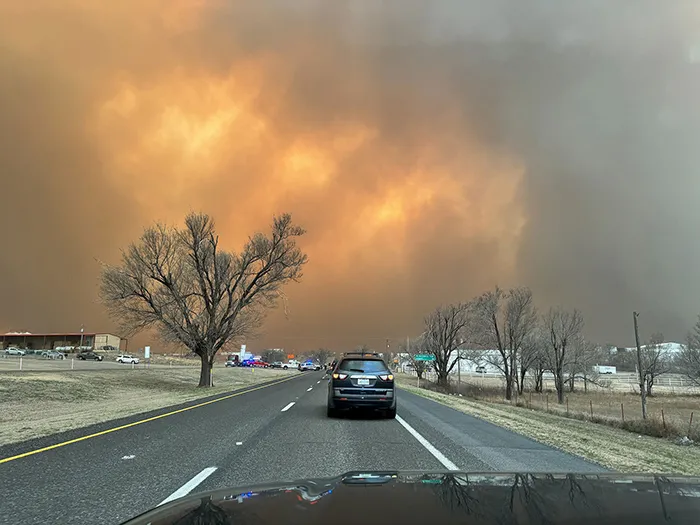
pixel 363 381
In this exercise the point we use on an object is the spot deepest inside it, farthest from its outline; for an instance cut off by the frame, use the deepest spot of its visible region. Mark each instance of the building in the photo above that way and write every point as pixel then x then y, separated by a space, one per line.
pixel 62 341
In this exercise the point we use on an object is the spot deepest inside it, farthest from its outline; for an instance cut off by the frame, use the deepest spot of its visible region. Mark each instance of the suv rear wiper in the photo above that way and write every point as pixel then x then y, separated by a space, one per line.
pixel 356 370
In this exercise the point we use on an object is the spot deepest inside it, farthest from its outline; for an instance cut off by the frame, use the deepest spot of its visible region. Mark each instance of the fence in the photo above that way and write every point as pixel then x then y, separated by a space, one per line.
pixel 668 413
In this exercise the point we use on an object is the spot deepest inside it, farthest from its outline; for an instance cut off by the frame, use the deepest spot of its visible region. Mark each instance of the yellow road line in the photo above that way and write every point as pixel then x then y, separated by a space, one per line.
pixel 128 425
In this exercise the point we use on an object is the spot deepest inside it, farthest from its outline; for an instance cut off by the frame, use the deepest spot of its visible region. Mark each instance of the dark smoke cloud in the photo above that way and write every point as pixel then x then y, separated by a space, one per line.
pixel 432 149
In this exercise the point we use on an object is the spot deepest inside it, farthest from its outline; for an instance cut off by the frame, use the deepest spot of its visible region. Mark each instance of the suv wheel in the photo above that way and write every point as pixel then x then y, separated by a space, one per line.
pixel 390 413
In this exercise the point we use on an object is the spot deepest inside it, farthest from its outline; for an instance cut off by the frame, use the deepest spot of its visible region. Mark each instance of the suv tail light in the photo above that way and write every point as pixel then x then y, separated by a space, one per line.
pixel 339 376
pixel 386 377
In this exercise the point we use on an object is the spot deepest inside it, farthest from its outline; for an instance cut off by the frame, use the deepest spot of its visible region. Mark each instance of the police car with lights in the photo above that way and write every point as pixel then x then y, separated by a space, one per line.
pixel 361 380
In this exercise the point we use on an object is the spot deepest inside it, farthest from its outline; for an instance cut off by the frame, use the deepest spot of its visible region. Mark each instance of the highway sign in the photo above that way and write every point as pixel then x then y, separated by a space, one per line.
pixel 425 357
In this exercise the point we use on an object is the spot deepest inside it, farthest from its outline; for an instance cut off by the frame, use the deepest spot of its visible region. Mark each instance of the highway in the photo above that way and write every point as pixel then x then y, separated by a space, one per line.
pixel 276 432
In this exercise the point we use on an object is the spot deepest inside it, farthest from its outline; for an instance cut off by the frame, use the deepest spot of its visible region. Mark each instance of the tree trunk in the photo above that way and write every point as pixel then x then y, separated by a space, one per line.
pixel 572 382
pixel 205 371
pixel 509 387
pixel 539 376
pixel 521 384
pixel 211 369
pixel 650 384
pixel 559 384
pixel 508 374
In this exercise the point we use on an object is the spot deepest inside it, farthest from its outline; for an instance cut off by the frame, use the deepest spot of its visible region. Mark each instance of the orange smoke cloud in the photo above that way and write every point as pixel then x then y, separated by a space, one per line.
pixel 181 106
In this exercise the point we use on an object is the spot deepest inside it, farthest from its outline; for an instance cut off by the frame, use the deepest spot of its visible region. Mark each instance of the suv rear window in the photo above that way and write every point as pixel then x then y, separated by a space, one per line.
pixel 362 365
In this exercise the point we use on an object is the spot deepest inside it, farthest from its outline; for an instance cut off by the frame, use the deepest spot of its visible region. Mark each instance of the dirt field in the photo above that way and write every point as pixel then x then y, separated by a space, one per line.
pixel 37 404
pixel 611 447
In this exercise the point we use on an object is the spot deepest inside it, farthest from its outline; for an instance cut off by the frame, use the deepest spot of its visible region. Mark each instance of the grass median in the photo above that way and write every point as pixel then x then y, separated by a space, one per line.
pixel 36 404
pixel 611 447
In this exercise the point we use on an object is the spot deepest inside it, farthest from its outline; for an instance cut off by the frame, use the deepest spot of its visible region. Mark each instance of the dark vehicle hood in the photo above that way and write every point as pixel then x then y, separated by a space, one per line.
pixel 444 498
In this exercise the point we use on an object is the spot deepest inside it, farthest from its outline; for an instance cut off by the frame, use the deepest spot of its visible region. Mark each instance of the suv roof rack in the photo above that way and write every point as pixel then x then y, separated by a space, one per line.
pixel 371 354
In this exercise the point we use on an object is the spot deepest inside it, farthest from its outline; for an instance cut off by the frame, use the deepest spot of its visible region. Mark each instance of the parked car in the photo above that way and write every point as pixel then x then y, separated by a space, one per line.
pixel 15 351
pixel 85 356
pixel 52 354
pixel 127 359
pixel 232 361
pixel 309 366
pixel 276 364
pixel 256 363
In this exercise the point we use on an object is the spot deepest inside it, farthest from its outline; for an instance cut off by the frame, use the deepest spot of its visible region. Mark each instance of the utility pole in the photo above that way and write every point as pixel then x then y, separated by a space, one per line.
pixel 82 329
pixel 408 353
pixel 642 389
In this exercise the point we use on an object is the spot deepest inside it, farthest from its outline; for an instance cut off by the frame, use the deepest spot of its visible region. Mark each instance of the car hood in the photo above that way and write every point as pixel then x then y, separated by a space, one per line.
pixel 445 498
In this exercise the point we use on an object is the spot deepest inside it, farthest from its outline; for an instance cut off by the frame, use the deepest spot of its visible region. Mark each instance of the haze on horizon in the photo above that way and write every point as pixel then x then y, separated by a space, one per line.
pixel 431 149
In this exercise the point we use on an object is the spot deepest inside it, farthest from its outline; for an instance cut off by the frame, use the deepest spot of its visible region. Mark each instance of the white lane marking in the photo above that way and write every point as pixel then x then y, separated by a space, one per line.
pixel 318 382
pixel 309 389
pixel 290 405
pixel 239 443
pixel 429 447
pixel 130 456
pixel 189 486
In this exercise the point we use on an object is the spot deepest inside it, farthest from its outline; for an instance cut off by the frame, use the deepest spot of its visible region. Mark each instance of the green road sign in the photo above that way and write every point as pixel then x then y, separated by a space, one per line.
pixel 424 357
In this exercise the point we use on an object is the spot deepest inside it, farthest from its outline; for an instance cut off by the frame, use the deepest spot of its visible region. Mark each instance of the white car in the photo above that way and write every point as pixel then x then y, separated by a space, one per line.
pixel 127 359
pixel 15 351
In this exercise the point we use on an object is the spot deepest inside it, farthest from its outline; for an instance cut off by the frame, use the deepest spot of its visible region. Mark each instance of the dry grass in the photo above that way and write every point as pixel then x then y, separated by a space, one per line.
pixel 611 447
pixel 36 404
pixel 669 415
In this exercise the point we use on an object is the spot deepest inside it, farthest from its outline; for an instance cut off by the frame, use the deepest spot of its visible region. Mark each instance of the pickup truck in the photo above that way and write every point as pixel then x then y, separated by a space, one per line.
pixel 290 365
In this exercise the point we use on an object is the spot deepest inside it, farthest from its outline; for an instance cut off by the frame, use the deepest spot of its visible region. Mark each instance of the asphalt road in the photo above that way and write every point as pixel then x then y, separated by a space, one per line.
pixel 259 436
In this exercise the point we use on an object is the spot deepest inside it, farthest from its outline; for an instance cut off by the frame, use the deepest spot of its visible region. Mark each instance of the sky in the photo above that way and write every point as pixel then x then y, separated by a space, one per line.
pixel 432 149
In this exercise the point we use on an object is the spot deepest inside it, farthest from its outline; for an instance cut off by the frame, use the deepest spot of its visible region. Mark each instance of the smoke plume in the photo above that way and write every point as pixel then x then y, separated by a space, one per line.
pixel 432 150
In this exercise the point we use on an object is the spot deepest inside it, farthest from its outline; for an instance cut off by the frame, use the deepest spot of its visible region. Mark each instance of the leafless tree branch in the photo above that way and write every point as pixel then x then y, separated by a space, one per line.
pixel 182 283
pixel 563 328
pixel 503 321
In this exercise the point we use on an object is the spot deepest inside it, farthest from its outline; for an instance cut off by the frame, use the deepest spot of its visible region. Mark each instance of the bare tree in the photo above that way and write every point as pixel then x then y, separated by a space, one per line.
pixel 444 332
pixel 503 321
pixel 689 359
pixel 584 355
pixel 182 283
pixel 532 359
pixel 655 360
pixel 411 349
pixel 272 354
pixel 563 327
pixel 322 355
